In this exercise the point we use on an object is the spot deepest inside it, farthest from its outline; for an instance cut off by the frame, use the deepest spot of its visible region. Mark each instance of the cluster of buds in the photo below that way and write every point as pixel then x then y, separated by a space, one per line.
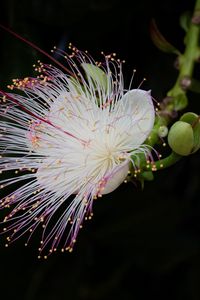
pixel 184 135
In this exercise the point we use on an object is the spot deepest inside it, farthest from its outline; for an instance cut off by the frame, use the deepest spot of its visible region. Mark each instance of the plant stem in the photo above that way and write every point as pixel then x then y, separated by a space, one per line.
pixel 178 92
pixel 165 162
pixel 191 54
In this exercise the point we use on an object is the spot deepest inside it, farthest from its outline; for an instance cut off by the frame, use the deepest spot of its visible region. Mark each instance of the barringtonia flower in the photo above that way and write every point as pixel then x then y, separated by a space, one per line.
pixel 68 139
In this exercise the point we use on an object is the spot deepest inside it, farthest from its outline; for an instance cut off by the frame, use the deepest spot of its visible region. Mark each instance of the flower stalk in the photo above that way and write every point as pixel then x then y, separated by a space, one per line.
pixel 165 162
pixel 176 97
pixel 189 57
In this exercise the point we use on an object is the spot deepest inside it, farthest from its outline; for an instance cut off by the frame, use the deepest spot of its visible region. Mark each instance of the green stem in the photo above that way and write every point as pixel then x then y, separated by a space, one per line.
pixel 165 162
pixel 153 137
pixel 146 171
pixel 187 60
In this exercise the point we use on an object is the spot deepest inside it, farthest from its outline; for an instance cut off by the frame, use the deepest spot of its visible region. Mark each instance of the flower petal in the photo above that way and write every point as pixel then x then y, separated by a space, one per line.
pixel 139 115
pixel 116 179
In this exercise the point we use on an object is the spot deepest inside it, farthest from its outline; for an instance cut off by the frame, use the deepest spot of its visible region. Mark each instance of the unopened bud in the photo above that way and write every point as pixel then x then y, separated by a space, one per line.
pixel 181 138
pixel 194 120
pixel 162 131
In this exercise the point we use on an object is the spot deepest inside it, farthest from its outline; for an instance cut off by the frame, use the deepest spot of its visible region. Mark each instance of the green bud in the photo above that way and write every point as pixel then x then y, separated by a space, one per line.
pixel 189 117
pixel 162 131
pixel 194 120
pixel 181 138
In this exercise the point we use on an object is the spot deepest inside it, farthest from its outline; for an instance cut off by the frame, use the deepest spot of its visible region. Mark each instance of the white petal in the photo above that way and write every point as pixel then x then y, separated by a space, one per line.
pixel 138 105
pixel 116 179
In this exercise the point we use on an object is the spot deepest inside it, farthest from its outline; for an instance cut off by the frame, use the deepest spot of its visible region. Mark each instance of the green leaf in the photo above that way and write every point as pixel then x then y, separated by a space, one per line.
pixel 180 101
pixel 147 175
pixel 184 21
pixel 97 75
pixel 77 85
pixel 141 180
pixel 160 41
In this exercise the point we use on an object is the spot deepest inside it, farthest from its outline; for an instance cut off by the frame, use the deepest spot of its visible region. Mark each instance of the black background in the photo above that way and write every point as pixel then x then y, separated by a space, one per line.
pixel 140 244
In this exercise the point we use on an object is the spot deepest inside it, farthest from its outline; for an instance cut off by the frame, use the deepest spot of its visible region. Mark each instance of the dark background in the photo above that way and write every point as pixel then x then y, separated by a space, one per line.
pixel 140 244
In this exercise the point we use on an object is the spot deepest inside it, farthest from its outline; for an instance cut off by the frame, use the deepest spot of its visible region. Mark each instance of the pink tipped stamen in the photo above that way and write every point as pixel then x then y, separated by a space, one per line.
pixel 36 48
pixel 41 119
pixel 107 103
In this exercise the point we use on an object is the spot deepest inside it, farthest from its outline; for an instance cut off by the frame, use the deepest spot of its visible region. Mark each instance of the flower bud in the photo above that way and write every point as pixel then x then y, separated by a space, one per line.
pixel 181 138
pixel 194 120
pixel 162 131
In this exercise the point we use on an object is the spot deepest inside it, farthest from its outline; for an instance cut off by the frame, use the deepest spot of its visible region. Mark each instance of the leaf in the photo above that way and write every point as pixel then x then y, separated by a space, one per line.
pixel 185 19
pixel 77 85
pixel 159 40
pixel 180 101
pixel 97 75
pixel 147 175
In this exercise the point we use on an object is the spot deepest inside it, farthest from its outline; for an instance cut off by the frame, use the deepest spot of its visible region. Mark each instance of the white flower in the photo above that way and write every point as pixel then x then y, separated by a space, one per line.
pixel 68 136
